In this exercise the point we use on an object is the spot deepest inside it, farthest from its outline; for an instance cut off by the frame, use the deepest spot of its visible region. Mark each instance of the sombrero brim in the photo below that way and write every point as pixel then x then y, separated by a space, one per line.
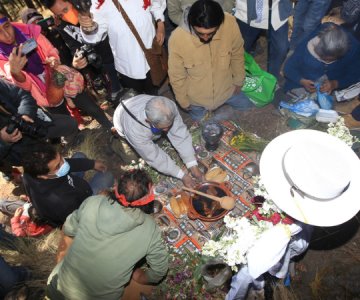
pixel 306 210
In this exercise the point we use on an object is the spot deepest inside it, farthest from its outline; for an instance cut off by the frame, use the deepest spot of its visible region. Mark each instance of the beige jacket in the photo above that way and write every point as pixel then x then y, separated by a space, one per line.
pixel 206 74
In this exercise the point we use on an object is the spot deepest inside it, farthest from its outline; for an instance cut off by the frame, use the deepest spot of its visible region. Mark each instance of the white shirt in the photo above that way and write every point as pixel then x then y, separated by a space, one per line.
pixel 241 14
pixel 128 55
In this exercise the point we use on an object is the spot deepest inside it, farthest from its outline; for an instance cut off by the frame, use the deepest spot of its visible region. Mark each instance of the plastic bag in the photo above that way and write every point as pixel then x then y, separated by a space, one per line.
pixel 325 100
pixel 306 108
pixel 259 85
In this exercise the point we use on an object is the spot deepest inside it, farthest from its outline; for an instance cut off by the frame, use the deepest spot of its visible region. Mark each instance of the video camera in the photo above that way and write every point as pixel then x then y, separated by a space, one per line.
pixel 31 129
pixel 92 57
pixel 83 7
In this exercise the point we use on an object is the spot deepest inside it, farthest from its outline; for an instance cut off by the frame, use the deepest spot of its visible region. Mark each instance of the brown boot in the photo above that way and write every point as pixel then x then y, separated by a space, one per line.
pixel 350 122
pixel 347 107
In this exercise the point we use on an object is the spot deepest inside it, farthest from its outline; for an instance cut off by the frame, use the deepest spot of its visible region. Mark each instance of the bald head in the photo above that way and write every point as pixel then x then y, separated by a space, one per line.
pixel 160 111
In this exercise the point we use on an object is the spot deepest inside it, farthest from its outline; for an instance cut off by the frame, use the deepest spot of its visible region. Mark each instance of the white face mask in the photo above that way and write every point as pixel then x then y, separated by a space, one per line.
pixel 63 170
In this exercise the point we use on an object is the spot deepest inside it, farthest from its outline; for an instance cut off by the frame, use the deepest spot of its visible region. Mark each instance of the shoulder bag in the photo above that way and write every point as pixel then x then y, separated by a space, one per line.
pixel 156 57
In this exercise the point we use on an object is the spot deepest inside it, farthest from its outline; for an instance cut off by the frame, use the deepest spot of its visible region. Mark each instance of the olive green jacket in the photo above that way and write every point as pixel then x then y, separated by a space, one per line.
pixel 109 240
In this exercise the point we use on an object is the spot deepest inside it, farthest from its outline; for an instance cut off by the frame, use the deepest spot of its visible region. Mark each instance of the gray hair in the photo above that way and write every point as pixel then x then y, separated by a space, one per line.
pixel 333 42
pixel 160 111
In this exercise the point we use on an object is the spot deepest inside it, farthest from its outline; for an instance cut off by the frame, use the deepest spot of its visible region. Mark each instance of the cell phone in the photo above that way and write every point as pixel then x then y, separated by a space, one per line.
pixel 28 46
pixel 46 23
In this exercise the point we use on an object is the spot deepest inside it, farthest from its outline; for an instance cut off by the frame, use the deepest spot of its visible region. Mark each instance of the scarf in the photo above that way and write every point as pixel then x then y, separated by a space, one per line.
pixel 34 64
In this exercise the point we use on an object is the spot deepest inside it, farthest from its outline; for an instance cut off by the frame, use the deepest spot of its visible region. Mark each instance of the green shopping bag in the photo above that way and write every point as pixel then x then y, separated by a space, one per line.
pixel 259 85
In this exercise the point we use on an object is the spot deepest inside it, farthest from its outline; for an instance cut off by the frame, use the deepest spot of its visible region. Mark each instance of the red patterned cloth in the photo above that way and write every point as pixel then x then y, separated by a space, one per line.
pixel 74 83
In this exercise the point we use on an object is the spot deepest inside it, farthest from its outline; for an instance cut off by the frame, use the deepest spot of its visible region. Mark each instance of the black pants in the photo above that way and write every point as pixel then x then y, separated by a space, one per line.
pixel 85 102
pixel 142 86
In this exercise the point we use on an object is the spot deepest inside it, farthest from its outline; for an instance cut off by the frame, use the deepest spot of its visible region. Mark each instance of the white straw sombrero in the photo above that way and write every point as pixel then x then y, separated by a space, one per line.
pixel 312 176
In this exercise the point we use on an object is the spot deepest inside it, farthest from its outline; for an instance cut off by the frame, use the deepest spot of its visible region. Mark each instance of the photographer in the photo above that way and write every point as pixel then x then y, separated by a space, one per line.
pixel 30 61
pixel 23 123
pixel 49 30
pixel 90 59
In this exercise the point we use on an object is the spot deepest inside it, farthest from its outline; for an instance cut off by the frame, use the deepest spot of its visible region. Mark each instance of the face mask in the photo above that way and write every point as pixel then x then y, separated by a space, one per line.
pixel 64 169
pixel 155 130
pixel 71 16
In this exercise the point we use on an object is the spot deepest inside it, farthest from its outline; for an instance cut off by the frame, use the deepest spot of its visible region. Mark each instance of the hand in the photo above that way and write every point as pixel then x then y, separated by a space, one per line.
pixel 309 85
pixel 195 171
pixel 17 61
pixel 160 33
pixel 78 61
pixel 100 166
pixel 237 90
pixel 139 276
pixel 85 20
pixel 24 198
pixel 27 119
pixel 328 86
pixel 53 62
pixel 10 138
pixel 188 181
pixel 18 211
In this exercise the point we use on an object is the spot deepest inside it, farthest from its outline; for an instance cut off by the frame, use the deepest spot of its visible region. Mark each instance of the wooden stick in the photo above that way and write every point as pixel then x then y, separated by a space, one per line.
pixel 202 194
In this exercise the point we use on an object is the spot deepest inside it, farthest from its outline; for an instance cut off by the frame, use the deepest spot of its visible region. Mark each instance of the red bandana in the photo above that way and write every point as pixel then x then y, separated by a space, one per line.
pixel 100 2
pixel 147 3
pixel 140 202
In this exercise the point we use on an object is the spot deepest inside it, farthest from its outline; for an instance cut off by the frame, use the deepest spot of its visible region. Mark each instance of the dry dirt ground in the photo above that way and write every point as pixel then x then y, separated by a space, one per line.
pixel 331 267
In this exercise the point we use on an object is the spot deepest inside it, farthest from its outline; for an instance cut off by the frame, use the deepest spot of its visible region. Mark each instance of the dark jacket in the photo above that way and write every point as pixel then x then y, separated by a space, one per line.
pixel 16 100
pixel 13 100
pixel 54 199
pixel 302 64
pixel 73 39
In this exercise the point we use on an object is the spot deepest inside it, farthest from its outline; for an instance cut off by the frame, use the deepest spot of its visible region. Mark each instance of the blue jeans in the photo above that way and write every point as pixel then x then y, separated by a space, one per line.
pixel 239 102
pixel 100 181
pixel 10 276
pixel 279 44
pixel 307 16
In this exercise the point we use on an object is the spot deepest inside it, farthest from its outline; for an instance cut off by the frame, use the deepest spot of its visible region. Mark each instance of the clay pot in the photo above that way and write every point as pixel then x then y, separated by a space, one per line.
pixel 206 209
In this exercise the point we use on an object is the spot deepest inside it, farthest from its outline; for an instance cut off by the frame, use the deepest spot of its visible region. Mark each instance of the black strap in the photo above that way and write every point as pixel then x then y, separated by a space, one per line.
pixel 294 187
pixel 131 115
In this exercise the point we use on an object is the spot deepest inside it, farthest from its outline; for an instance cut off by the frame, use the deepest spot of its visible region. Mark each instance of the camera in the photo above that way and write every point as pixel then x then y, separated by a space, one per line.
pixel 31 129
pixel 92 57
pixel 83 7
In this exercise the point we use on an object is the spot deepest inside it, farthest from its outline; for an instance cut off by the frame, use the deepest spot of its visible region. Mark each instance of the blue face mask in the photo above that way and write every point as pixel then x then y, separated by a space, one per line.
pixel 63 170
pixel 155 130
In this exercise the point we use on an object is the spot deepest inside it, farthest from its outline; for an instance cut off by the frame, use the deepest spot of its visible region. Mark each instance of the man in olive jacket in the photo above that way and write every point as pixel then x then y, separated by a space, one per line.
pixel 206 61
pixel 103 241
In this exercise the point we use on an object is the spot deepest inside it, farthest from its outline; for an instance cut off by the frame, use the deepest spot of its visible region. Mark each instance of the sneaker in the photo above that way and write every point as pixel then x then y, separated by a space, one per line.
pixel 348 94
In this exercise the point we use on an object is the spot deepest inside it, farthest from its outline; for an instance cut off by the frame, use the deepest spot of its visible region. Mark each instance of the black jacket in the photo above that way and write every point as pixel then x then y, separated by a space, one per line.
pixel 16 101
pixel 74 40
pixel 13 100
pixel 54 199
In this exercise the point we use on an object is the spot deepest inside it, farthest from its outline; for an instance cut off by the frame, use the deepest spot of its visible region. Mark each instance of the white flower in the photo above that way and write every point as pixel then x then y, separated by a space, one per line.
pixel 340 131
